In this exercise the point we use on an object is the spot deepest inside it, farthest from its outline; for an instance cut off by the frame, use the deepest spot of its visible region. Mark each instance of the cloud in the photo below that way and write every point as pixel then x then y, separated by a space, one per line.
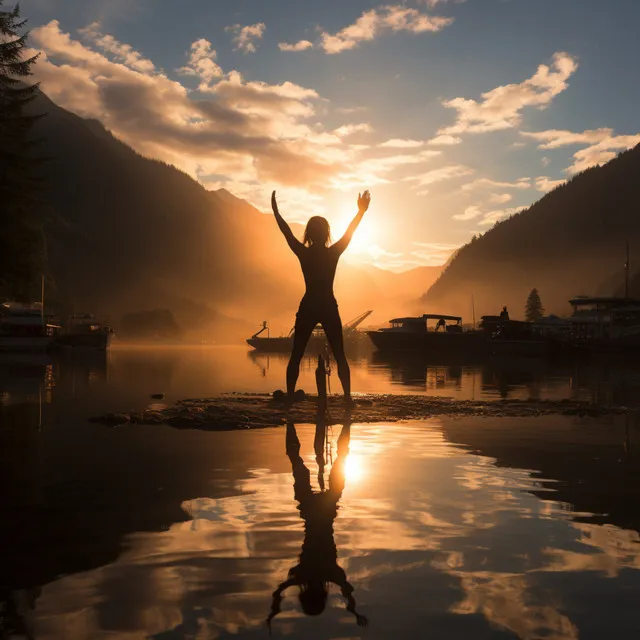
pixel 545 184
pixel 447 172
pixel 247 131
pixel 488 217
pixel 500 198
pixel 433 3
pixel 301 45
pixel 372 171
pixel 445 140
pixel 491 217
pixel 469 213
pixel 556 138
pixel 202 64
pixel 433 254
pixel 349 129
pixel 122 52
pixel 602 145
pixel 501 108
pixel 351 110
pixel 245 38
pixel 400 143
pixel 384 19
pixel 486 183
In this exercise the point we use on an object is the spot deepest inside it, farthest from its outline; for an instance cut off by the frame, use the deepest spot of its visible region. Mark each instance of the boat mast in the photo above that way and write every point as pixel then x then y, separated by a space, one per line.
pixel 42 299
pixel 626 274
pixel 473 310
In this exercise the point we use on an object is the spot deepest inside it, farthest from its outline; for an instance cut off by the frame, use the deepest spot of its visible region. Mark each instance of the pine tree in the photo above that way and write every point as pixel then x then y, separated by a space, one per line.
pixel 533 309
pixel 21 240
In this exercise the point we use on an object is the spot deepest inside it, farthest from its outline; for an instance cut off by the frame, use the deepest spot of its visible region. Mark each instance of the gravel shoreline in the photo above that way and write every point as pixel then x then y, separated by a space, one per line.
pixel 256 411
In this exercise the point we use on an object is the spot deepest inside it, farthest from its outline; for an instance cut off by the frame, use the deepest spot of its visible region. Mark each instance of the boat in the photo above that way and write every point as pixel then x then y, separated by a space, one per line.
pixel 605 324
pixel 317 341
pixel 85 331
pixel 25 327
pixel 415 334
pixel 514 338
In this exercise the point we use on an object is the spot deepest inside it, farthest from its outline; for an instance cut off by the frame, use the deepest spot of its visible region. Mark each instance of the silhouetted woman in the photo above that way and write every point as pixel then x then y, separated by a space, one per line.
pixel 318 565
pixel 319 261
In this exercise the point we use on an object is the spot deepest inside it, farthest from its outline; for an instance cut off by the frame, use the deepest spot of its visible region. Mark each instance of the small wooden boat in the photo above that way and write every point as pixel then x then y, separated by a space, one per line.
pixel 317 342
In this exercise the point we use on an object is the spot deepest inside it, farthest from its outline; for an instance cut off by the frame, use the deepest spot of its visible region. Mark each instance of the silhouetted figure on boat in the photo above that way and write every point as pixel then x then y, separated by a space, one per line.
pixel 504 314
pixel 319 261
pixel 441 325
pixel 318 564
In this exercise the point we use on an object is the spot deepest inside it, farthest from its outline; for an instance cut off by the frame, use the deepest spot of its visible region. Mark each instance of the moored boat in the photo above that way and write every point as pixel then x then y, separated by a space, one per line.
pixel 24 327
pixel 415 334
pixel 605 324
pixel 85 331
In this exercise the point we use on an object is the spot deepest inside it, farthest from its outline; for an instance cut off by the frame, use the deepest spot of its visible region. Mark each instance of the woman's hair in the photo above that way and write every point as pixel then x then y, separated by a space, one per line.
pixel 317 232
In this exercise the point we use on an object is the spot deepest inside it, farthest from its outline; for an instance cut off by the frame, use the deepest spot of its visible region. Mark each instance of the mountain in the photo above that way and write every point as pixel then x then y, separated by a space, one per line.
pixel 567 243
pixel 130 234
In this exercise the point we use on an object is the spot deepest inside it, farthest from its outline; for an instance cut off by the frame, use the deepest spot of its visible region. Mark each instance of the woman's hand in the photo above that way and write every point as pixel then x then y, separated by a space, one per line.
pixel 363 201
pixel 274 204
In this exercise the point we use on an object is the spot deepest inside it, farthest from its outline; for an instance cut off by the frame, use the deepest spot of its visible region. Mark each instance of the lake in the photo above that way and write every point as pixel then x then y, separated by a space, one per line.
pixel 447 528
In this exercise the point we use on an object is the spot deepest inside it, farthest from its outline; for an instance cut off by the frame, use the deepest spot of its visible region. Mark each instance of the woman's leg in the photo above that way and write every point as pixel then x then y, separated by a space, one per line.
pixel 303 329
pixel 332 325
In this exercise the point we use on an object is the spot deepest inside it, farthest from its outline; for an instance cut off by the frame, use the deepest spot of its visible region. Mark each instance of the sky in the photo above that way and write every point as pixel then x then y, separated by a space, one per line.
pixel 455 114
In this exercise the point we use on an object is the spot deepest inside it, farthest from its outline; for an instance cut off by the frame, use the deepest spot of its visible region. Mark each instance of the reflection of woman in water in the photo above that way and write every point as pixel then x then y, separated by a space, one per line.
pixel 318 565
pixel 319 261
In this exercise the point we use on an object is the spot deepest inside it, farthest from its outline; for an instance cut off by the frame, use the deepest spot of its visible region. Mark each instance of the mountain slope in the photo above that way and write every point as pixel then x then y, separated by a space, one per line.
pixel 131 234
pixel 565 244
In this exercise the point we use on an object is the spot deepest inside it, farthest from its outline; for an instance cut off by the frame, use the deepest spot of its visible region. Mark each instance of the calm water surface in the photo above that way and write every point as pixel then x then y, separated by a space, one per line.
pixel 474 528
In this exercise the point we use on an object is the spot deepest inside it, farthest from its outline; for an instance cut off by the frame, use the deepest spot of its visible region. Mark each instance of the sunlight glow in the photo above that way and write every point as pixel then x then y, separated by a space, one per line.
pixel 363 239
pixel 354 468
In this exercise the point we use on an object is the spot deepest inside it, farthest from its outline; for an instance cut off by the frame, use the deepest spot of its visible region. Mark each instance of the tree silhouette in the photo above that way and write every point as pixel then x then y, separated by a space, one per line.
pixel 21 240
pixel 533 310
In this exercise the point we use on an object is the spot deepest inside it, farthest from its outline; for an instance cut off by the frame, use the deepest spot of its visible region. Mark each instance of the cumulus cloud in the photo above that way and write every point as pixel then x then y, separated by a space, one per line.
pixel 445 140
pixel 448 172
pixel 202 64
pixel 501 108
pixel 120 51
pixel 401 143
pixel 249 131
pixel 601 145
pixel 246 37
pixel 375 22
pixel 301 45
pixel 487 183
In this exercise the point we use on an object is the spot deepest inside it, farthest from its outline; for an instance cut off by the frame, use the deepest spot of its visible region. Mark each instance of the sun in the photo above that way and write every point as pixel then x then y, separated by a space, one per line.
pixel 364 237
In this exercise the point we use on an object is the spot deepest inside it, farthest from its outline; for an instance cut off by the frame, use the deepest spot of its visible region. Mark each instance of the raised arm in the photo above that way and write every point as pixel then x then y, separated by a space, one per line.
pixel 292 241
pixel 277 600
pixel 347 592
pixel 363 204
